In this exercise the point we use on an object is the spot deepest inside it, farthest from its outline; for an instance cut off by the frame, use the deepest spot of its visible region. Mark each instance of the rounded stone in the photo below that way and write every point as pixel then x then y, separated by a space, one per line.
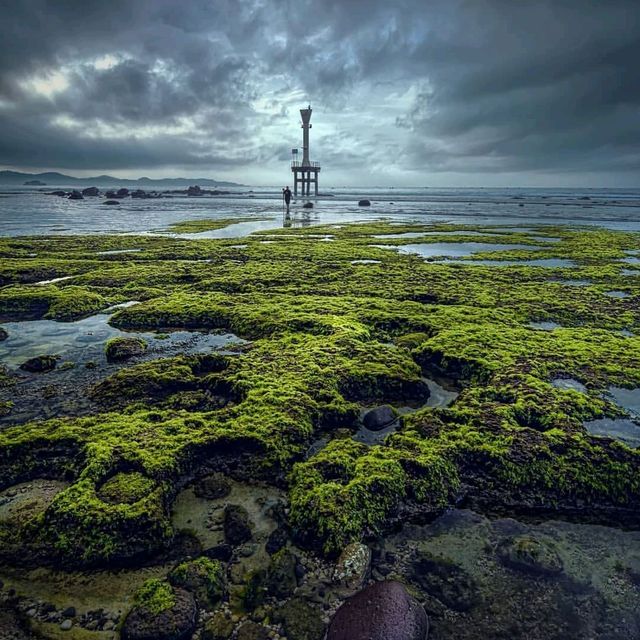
pixel 364 203
pixel 382 611
pixel 118 349
pixel 379 417
pixel 176 623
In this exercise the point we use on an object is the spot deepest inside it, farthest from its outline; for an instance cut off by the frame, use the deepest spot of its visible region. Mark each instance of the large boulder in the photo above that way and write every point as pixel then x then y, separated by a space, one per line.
pixel 307 205
pixel 161 613
pixel 379 417
pixel 531 555
pixel 382 611
pixel 195 191
pixel 39 364
pixel 91 191
pixel 122 193
pixel 76 195
pixel 119 349
pixel 237 529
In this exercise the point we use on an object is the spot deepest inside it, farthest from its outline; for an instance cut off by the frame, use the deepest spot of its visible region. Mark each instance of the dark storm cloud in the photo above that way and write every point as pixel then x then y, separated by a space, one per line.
pixel 455 86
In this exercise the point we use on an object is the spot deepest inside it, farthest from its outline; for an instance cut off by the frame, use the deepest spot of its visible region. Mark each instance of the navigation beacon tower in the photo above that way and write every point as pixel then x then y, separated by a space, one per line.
pixel 305 172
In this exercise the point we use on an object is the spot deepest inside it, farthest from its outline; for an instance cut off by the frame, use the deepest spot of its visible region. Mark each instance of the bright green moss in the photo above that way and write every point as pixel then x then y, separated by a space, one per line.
pixel 126 487
pixel 155 596
pixel 328 337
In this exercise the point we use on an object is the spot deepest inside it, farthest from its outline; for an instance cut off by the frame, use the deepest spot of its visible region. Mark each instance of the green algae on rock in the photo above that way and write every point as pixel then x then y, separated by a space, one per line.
pixel 328 337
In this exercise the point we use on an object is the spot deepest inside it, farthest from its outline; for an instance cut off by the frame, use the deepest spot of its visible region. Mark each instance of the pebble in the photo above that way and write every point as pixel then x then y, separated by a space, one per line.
pixel 66 625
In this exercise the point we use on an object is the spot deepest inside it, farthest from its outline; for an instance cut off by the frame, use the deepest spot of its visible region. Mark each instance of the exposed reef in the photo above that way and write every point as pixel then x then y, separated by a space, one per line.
pixel 335 329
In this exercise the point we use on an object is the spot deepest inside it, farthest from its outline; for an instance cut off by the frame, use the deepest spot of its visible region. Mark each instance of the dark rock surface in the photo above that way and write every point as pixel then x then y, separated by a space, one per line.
pixel 281 575
pixel 445 581
pixel 111 202
pixel 379 418
pixel 277 540
pixel 300 620
pixel 530 554
pixel 307 205
pixel 177 623
pixel 39 364
pixel 91 191
pixel 382 611
pixel 252 631
pixel 76 195
pixel 236 525
pixel 212 487
pixel 4 334
pixel 364 203
pixel 218 627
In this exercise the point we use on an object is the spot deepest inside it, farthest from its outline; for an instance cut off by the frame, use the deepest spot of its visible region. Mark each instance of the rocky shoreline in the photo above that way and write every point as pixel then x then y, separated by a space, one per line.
pixel 280 490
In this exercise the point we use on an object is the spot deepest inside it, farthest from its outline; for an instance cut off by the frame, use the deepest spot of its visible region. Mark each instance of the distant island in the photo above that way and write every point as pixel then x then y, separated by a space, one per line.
pixel 60 179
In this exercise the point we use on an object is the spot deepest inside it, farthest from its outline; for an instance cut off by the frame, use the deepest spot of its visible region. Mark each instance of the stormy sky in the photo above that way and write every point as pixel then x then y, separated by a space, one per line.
pixel 404 92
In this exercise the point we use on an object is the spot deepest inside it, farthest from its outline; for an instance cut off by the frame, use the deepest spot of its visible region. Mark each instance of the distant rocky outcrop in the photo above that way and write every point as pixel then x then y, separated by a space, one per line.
pixel 91 191
pixel 35 183
pixel 76 195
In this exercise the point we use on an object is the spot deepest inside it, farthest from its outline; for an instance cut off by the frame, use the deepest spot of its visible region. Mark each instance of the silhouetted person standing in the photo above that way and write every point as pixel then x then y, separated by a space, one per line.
pixel 286 194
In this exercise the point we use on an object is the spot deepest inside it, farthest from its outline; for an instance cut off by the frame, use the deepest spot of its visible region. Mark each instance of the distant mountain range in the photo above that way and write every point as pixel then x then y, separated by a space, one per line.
pixel 53 178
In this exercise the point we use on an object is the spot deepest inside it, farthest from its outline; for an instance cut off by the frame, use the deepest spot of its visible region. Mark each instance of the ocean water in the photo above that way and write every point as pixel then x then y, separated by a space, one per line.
pixel 28 210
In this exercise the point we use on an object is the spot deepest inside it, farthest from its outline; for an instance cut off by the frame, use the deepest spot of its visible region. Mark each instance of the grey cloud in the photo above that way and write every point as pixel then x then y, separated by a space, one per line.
pixel 499 86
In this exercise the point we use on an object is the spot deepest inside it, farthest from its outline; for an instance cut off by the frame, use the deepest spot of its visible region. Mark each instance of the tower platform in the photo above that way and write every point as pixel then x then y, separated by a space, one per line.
pixel 305 175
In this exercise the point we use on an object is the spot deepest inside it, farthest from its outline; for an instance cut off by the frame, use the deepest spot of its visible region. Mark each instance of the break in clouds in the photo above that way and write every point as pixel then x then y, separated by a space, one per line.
pixel 493 92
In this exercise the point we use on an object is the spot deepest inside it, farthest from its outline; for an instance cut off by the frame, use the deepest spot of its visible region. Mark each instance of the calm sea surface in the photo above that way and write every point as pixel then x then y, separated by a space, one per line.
pixel 28 211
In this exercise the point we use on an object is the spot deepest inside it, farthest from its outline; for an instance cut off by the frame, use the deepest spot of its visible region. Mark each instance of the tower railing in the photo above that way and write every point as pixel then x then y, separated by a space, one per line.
pixel 298 163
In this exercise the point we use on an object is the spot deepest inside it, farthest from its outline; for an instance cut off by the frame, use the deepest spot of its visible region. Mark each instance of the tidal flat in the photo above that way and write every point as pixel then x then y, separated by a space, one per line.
pixel 214 480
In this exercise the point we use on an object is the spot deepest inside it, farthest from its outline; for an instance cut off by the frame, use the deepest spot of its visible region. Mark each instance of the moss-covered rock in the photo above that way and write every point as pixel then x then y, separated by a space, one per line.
pixel 203 577
pixel 300 620
pixel 218 627
pixel 119 349
pixel 160 613
pixel 39 364
pixel 530 554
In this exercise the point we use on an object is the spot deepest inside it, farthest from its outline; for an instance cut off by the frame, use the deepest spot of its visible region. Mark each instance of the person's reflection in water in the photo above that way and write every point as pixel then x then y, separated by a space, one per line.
pixel 286 220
